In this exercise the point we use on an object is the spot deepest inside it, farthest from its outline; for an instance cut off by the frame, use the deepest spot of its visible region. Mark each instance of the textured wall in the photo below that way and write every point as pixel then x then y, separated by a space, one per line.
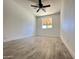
pixel 68 24
pixel 19 22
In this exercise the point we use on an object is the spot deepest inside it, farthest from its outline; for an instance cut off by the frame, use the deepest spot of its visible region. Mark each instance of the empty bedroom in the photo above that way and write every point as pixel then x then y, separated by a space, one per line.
pixel 38 29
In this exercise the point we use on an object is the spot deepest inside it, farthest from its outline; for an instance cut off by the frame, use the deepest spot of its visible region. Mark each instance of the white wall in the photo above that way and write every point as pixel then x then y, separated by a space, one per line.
pixel 68 24
pixel 53 32
pixel 19 22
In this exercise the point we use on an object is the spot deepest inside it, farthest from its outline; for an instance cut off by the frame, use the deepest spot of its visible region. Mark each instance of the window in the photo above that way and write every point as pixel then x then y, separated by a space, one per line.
pixel 47 22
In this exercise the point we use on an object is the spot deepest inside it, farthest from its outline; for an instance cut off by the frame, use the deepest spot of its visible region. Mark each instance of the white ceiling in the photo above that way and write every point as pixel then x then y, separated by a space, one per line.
pixel 55 6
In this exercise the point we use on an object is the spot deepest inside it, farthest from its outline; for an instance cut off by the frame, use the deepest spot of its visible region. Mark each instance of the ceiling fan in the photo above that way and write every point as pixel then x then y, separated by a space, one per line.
pixel 40 6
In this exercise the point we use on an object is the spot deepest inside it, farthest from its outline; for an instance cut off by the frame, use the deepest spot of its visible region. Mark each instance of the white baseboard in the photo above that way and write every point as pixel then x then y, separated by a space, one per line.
pixel 43 35
pixel 69 49
pixel 16 38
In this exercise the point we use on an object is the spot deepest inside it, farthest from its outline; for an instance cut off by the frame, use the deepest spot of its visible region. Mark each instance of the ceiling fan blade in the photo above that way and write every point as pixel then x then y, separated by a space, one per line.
pixel 38 9
pixel 33 6
pixel 46 6
pixel 44 10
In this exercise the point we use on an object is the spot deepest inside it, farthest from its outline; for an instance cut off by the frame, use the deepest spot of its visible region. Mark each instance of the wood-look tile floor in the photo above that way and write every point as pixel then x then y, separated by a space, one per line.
pixel 36 48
